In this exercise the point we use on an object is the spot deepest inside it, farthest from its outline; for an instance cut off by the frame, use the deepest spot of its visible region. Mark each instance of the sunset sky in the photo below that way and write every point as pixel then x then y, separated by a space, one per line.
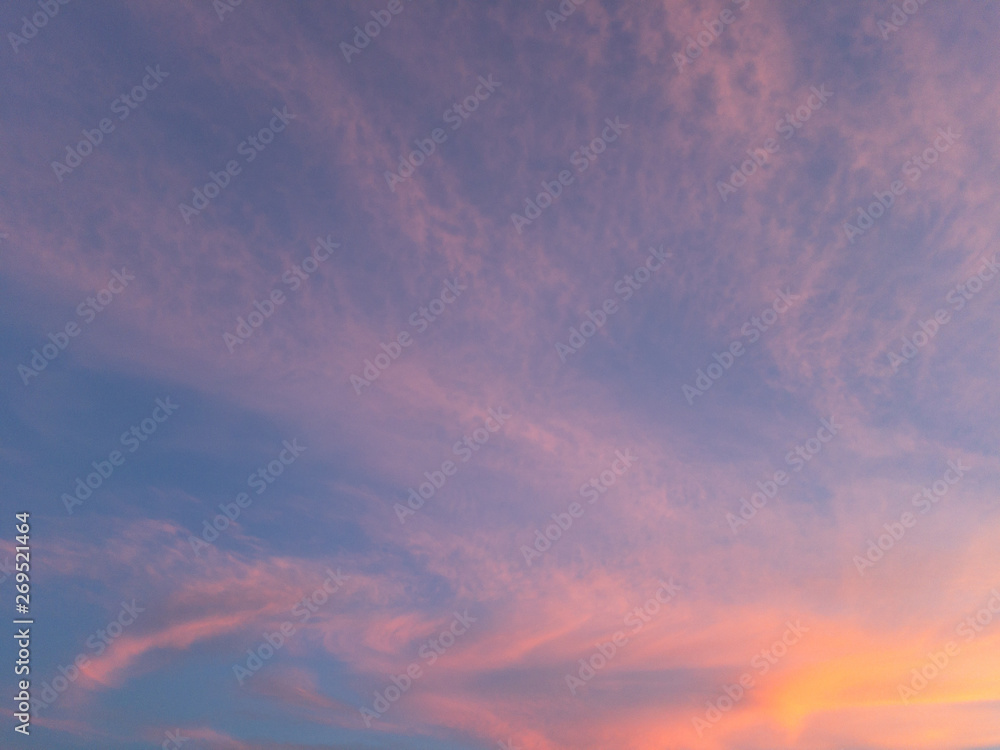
pixel 493 375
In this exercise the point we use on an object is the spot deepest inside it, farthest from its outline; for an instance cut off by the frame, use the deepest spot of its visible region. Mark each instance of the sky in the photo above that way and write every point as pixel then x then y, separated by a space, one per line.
pixel 501 375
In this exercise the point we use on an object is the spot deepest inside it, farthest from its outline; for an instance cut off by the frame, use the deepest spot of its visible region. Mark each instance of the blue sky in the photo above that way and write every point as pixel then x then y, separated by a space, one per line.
pixel 796 285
